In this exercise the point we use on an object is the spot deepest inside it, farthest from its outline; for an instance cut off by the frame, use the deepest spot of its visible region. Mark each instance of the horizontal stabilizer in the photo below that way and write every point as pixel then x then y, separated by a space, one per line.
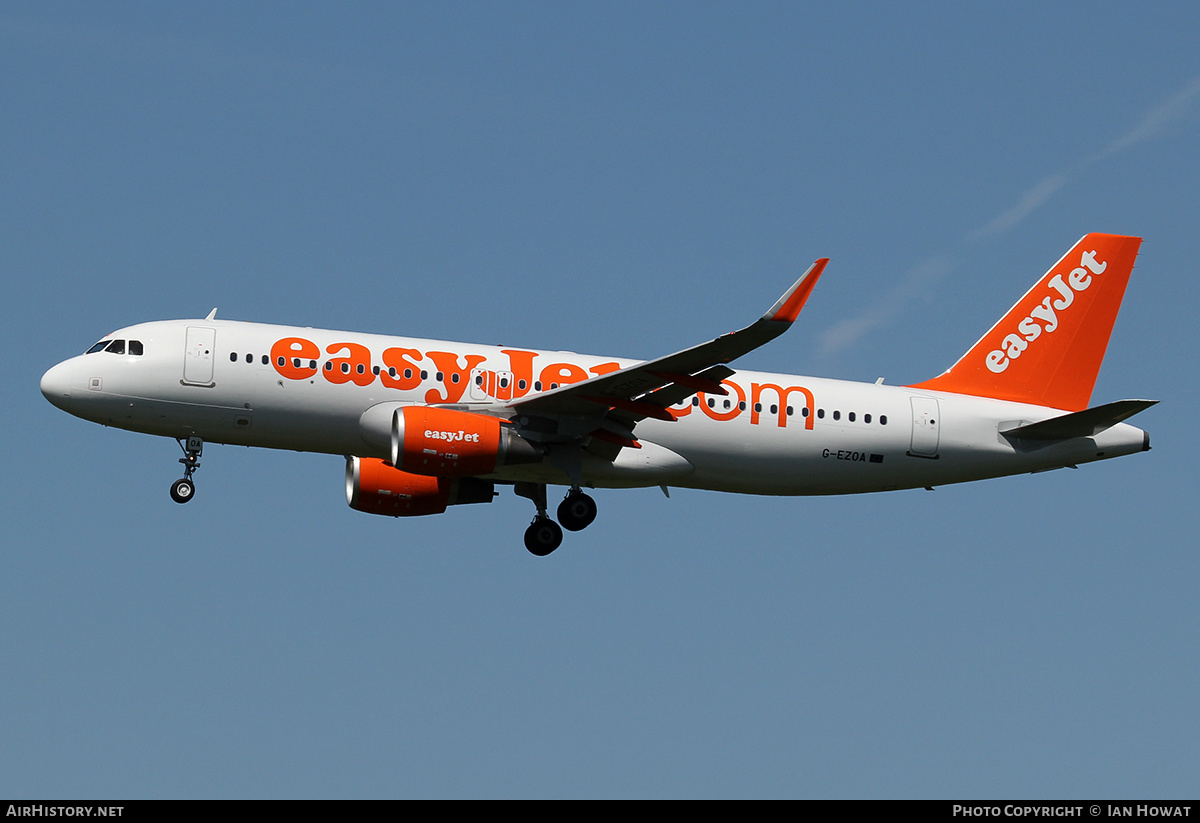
pixel 1086 423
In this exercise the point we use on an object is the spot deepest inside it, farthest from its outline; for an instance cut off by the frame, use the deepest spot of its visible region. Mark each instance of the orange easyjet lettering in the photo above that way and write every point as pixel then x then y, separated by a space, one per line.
pixel 605 368
pixel 756 390
pixel 407 374
pixel 353 368
pixel 706 404
pixel 521 366
pixel 296 359
pixel 562 374
pixel 454 377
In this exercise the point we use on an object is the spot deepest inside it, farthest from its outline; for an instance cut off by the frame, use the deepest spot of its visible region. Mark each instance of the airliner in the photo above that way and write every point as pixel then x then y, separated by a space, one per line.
pixel 429 424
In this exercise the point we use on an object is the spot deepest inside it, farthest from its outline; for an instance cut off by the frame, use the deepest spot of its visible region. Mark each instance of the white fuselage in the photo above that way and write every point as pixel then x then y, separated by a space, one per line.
pixel 335 392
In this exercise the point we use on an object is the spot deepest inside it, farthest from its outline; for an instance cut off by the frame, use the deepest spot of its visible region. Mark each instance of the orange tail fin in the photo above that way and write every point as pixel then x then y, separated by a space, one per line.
pixel 1047 350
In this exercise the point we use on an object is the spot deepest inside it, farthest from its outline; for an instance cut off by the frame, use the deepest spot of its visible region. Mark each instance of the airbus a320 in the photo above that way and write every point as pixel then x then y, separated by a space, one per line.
pixel 428 424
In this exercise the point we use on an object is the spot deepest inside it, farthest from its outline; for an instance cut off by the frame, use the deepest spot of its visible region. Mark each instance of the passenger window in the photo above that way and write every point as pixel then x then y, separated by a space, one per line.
pixel 883 419
pixel 266 360
pixel 135 347
pixel 850 417
pixel 866 418
pixel 116 347
pixel 837 415
pixel 249 358
pixel 233 357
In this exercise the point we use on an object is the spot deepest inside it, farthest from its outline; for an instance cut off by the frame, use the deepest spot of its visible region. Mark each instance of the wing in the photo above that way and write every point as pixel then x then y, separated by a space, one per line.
pixel 618 400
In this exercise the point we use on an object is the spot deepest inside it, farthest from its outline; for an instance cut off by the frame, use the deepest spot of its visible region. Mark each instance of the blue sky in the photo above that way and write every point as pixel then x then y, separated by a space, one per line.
pixel 621 179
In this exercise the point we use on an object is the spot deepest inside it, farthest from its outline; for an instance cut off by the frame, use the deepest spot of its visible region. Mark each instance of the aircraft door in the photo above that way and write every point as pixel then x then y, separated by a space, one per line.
pixel 486 385
pixel 479 379
pixel 198 356
pixel 504 381
pixel 925 422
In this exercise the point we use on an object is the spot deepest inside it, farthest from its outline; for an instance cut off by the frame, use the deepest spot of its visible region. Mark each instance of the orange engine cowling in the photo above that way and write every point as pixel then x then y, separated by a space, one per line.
pixel 448 443
pixel 377 487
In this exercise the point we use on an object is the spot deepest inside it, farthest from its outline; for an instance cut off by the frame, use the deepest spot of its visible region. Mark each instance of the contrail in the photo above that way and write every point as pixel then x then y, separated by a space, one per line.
pixel 1029 201
pixel 1154 123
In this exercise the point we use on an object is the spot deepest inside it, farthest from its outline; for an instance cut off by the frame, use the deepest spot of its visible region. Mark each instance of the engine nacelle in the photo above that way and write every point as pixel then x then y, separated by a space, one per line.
pixel 376 487
pixel 446 443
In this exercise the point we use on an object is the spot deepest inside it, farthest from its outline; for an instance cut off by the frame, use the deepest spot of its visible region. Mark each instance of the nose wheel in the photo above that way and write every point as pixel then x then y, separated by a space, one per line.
pixel 183 489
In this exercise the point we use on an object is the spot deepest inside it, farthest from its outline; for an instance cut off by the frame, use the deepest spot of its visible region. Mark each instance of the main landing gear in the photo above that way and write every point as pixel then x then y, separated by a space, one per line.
pixel 543 536
pixel 184 489
pixel 576 511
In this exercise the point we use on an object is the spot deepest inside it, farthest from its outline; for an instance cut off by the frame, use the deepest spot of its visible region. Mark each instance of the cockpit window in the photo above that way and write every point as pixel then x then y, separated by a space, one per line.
pixel 98 347
pixel 135 347
pixel 116 347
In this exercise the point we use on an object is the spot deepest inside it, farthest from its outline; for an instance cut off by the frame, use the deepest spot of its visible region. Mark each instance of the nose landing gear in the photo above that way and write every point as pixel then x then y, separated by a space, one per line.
pixel 184 489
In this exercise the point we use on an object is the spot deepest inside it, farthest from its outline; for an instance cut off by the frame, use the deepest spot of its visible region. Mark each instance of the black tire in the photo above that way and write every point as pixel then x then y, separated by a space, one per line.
pixel 577 511
pixel 182 490
pixel 543 536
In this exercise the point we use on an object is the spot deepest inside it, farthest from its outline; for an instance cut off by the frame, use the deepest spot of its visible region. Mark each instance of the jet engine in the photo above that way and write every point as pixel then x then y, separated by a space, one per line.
pixel 446 443
pixel 376 487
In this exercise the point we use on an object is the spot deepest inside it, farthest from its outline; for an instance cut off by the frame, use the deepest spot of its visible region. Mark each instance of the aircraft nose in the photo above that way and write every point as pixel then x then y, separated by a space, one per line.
pixel 56 385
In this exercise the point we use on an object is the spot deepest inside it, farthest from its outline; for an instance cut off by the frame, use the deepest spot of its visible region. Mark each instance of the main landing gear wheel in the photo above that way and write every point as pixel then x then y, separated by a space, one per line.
pixel 182 490
pixel 576 511
pixel 543 536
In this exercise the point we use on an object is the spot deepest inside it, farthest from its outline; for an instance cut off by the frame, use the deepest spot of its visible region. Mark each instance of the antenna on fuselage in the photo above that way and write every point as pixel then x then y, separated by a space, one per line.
pixel 212 315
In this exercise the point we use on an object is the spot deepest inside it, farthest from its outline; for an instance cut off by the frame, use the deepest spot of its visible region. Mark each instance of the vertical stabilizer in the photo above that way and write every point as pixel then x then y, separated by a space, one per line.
pixel 1047 350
